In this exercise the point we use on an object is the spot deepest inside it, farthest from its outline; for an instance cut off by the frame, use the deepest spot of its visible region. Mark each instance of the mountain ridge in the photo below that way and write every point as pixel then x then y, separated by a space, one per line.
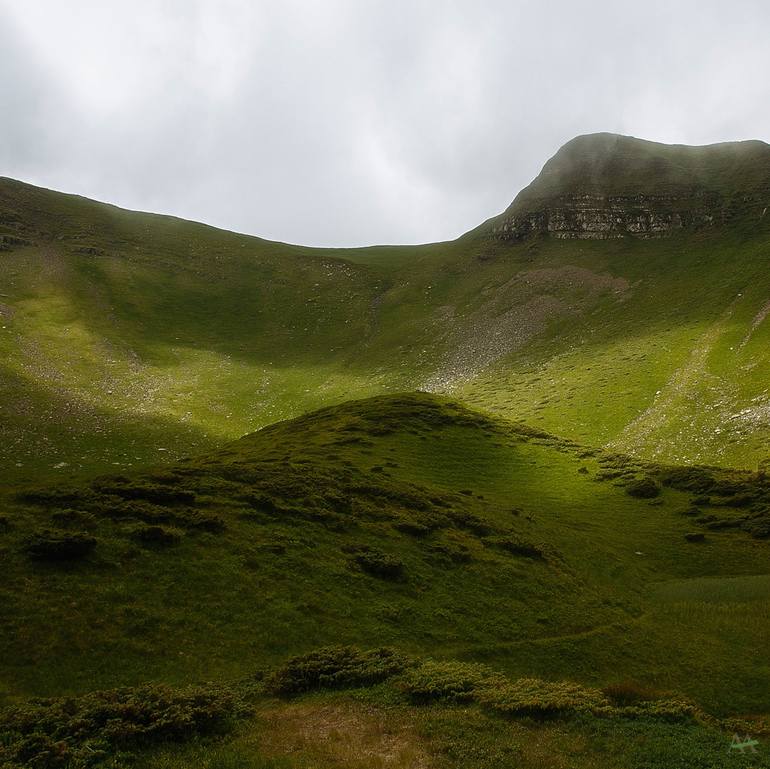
pixel 604 185
pixel 587 158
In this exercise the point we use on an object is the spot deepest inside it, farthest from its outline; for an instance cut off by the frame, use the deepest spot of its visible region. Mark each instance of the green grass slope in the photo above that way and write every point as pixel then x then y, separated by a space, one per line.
pixel 170 337
pixel 402 520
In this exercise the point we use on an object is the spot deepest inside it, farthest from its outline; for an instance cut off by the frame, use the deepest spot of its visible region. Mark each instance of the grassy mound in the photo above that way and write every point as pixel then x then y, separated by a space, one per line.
pixel 408 519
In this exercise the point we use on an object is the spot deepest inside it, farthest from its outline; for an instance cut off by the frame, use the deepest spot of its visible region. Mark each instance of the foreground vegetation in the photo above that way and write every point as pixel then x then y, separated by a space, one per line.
pixel 458 714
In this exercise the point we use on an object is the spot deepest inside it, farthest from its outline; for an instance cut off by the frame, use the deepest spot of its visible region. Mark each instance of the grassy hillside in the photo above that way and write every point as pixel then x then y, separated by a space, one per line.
pixel 404 521
pixel 211 473
pixel 127 338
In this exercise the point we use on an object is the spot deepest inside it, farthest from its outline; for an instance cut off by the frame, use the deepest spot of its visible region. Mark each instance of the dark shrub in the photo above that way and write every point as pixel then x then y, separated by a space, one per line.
pixel 695 536
pixel 540 699
pixel 724 523
pixel 53 497
pixel 628 693
pixel 516 546
pixel 696 479
pixel 465 520
pixel 413 528
pixel 451 552
pixel 758 529
pixel 77 518
pixel 203 522
pixel 156 494
pixel 160 536
pixel 725 487
pixel 59 545
pixel 644 488
pixel 736 500
pixel 83 731
pixel 379 564
pixel 452 681
pixel 335 667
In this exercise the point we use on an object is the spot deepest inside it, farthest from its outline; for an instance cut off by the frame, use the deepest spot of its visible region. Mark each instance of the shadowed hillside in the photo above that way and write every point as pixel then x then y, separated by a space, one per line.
pixel 167 337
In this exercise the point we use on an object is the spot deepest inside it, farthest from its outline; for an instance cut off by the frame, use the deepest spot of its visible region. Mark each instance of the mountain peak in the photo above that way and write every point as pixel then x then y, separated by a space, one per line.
pixel 604 185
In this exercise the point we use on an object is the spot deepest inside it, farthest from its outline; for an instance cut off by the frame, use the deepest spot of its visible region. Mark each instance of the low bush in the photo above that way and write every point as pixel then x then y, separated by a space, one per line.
pixel 662 710
pixel 68 517
pixel 156 493
pixel 59 545
pixel 83 731
pixel 335 667
pixel 412 528
pixel 202 522
pixel 539 699
pixel 759 529
pixel 628 693
pixel 450 552
pixel 644 488
pixel 52 497
pixel 516 546
pixel 160 536
pixel 734 500
pixel 696 479
pixel 470 522
pixel 450 681
pixel 379 564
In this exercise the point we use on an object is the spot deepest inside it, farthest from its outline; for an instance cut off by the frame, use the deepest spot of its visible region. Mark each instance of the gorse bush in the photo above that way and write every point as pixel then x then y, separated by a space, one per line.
pixel 70 518
pixel 98 729
pixel 644 488
pixel 450 681
pixel 160 536
pixel 335 667
pixel 83 731
pixel 538 699
pixel 55 546
pixel 516 546
pixel 628 693
pixel 155 493
pixel 379 564
pixel 696 479
pixel 660 710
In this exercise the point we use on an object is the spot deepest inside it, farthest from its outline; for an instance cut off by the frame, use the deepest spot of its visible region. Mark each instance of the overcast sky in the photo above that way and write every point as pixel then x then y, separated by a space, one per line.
pixel 351 122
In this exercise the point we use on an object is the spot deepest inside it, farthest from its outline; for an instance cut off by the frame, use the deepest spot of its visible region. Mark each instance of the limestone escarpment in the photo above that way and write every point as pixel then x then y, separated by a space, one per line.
pixel 596 217
pixel 603 186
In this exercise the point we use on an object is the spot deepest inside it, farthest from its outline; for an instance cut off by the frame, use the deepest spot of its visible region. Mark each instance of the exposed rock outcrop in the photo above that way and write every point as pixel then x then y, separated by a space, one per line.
pixel 605 186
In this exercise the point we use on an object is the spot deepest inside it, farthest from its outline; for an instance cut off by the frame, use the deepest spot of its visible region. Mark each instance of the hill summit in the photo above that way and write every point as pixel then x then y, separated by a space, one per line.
pixel 601 186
